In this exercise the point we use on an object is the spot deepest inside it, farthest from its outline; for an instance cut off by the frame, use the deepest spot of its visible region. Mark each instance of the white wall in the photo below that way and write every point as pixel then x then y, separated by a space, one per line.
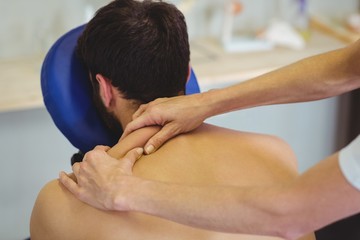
pixel 30 27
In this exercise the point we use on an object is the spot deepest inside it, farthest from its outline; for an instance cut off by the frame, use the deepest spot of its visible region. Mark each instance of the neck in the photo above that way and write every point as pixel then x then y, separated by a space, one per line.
pixel 124 111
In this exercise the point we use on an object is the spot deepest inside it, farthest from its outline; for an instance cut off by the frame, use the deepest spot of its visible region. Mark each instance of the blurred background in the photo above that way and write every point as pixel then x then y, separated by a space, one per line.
pixel 231 41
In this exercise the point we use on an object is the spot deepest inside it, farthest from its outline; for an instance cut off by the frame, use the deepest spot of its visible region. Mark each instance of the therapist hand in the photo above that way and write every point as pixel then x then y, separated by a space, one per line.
pixel 103 181
pixel 177 115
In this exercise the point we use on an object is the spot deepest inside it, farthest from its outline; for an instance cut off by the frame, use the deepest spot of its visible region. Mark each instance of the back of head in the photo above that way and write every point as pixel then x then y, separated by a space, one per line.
pixel 142 47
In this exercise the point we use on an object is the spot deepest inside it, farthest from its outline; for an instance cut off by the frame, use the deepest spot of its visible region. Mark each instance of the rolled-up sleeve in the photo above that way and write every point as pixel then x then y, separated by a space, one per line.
pixel 349 160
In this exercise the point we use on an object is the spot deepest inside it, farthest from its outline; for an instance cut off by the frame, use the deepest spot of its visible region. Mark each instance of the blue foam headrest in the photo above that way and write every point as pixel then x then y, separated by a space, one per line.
pixel 67 95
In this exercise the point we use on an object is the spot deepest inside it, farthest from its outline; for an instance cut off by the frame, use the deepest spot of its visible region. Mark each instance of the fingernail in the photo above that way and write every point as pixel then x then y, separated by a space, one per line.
pixel 149 149
pixel 140 151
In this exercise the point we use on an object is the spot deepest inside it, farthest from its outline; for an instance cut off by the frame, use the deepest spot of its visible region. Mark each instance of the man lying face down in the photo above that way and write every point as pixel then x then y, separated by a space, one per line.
pixel 137 52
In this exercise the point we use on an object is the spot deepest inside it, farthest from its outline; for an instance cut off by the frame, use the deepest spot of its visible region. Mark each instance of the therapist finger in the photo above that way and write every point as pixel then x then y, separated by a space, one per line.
pixel 69 183
pixel 140 122
pixel 76 169
pixel 102 147
pixel 169 131
pixel 130 158
pixel 140 111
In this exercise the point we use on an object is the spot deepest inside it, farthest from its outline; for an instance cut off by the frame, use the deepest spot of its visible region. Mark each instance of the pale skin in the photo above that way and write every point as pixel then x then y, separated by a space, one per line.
pixel 321 194
pixel 192 159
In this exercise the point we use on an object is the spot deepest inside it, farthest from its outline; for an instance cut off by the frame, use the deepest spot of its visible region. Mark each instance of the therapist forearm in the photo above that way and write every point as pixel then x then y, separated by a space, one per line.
pixel 314 78
pixel 214 208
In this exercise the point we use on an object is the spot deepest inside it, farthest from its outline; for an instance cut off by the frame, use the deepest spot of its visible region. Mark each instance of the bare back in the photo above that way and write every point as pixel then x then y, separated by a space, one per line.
pixel 208 156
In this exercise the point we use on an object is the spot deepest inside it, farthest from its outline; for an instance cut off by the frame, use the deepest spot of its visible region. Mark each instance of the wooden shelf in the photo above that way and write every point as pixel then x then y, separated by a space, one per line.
pixel 20 84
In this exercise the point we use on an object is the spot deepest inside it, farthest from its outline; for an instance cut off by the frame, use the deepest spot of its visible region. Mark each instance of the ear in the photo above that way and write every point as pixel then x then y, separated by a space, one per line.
pixel 105 89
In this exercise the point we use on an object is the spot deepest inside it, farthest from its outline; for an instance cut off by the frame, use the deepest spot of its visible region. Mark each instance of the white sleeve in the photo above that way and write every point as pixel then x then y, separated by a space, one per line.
pixel 349 160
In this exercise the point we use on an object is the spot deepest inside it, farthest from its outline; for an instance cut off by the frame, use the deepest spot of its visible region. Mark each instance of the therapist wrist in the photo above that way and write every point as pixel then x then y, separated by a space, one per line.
pixel 213 102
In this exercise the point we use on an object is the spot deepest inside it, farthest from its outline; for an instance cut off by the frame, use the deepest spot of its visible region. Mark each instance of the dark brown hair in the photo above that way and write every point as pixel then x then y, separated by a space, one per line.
pixel 142 47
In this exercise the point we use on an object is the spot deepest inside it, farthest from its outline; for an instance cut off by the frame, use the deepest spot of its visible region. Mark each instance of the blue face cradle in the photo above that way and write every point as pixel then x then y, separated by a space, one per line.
pixel 67 95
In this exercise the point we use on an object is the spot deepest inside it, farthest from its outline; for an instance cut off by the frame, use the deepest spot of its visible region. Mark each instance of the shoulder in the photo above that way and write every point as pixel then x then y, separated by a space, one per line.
pixel 40 217
pixel 45 200
pixel 46 222
pixel 266 147
pixel 279 148
pixel 275 154
pixel 52 193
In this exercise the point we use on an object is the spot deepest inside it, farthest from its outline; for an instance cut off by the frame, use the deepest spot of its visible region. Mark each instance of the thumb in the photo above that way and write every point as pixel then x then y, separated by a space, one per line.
pixel 155 142
pixel 131 157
